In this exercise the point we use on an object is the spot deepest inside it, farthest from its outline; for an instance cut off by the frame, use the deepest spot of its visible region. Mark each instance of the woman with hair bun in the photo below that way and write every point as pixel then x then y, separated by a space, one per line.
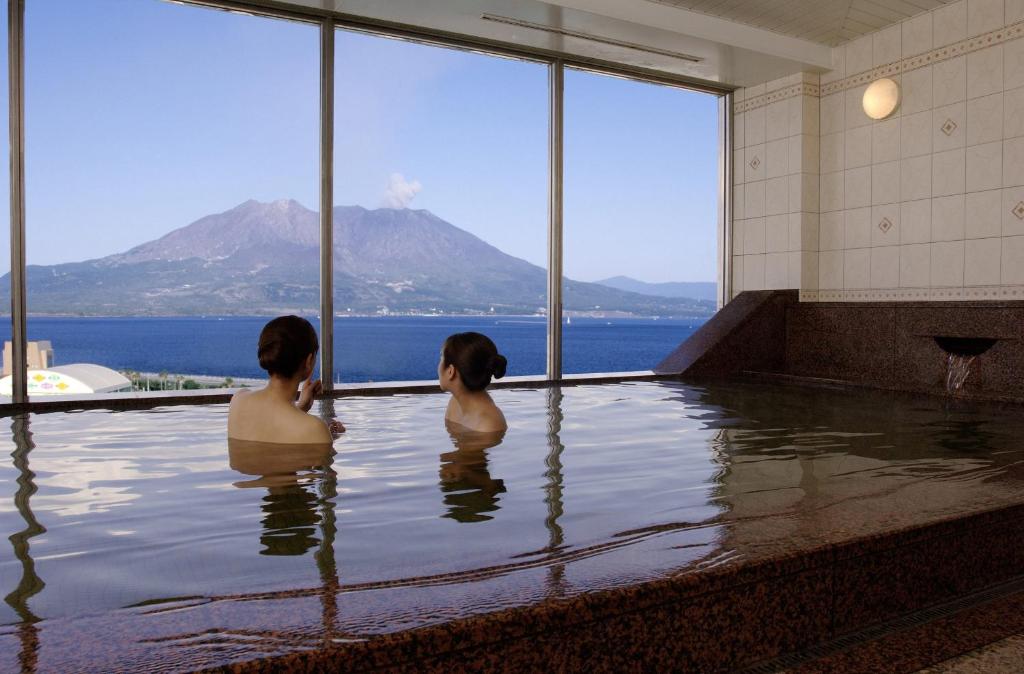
pixel 469 361
pixel 278 413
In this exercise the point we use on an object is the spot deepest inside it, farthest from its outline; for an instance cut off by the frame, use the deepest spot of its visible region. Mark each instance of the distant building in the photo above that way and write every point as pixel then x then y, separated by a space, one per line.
pixel 40 356
pixel 76 379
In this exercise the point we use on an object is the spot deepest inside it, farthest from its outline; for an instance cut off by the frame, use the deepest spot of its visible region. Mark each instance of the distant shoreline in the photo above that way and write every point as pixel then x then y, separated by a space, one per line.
pixel 570 314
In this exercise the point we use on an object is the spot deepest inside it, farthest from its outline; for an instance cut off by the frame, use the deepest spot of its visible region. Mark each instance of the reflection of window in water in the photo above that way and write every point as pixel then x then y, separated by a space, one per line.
pixel 469 490
pixel 292 504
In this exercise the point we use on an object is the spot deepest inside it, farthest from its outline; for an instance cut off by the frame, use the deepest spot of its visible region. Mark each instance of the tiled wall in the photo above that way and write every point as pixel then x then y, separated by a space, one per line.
pixel 775 185
pixel 929 203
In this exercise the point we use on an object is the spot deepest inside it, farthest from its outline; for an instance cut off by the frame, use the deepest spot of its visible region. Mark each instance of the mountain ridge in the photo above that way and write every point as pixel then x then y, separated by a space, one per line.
pixel 263 258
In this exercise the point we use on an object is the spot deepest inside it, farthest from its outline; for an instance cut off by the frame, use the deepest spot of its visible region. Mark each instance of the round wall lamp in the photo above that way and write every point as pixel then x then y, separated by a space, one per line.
pixel 881 98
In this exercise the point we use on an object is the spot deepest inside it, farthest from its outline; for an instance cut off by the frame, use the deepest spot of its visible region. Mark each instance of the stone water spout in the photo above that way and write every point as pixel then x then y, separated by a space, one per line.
pixel 960 354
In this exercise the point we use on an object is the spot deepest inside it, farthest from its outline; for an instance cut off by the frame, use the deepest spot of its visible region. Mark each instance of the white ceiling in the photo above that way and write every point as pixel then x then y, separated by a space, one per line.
pixel 727 52
pixel 830 22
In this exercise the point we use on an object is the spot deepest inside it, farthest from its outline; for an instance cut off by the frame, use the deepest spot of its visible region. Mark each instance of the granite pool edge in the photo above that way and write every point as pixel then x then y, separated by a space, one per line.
pixel 708 619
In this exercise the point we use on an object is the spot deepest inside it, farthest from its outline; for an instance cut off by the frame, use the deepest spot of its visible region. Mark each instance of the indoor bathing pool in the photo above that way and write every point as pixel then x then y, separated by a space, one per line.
pixel 137 540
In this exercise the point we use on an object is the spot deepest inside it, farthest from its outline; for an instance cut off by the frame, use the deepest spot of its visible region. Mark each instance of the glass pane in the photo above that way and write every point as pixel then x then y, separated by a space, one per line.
pixel 172 159
pixel 640 220
pixel 441 206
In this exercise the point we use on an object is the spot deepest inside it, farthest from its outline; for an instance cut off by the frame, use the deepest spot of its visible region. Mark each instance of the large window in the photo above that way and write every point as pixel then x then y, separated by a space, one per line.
pixel 441 206
pixel 641 212
pixel 172 158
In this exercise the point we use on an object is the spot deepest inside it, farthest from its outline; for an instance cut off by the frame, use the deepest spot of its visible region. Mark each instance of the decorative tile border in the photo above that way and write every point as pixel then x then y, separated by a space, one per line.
pixel 973 44
pixel 915 294
pixel 802 89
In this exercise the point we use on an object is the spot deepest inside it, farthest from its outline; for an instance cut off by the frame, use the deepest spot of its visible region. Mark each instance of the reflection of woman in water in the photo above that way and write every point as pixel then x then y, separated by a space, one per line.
pixel 290 474
pixel 468 362
pixel 469 490
pixel 287 351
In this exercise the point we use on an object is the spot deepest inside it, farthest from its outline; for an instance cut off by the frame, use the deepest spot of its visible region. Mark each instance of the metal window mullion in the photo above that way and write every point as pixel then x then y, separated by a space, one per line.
pixel 16 101
pixel 725 224
pixel 556 80
pixel 327 204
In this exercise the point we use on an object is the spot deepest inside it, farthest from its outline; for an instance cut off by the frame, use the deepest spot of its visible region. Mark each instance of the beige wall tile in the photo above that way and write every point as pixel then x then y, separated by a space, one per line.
pixel 950 23
pixel 857 187
pixel 1013 162
pixel 753 272
pixel 755 126
pixel 753 236
pixel 948 218
pixel 776 158
pixel 948 126
pixel 885 225
pixel 1013 113
pixel 1014 11
pixel 858 147
pixel 857 227
pixel 831 231
pixel 885 267
pixel 982 262
pixel 916 134
pixel 803 234
pixel 833 152
pixel 737 275
pixel 1012 267
pixel 754 160
pixel 916 92
pixel 777 119
pixel 983 216
pixel 830 270
pixel 1013 223
pixel 947 264
pixel 916 178
pixel 776 233
pixel 915 265
pixel 949 83
pixel 985 72
pixel 808 269
pixel 738 202
pixel 753 199
pixel 776 271
pixel 917 35
pixel 983 16
pixel 832 191
pixel 885 140
pixel 858 55
pixel 857 268
pixel 855 115
pixel 833 113
pixel 948 172
pixel 885 183
pixel 1013 64
pixel 985 119
pixel 886 45
pixel 776 196
pixel 738 174
pixel 984 167
pixel 916 221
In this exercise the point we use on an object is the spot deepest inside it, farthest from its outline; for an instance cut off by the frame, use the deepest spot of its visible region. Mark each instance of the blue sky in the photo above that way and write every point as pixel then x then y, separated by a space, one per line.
pixel 143 116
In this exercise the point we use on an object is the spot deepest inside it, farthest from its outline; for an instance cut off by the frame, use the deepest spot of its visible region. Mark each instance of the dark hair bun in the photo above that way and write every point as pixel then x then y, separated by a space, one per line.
pixel 498 366
pixel 475 358
pixel 284 345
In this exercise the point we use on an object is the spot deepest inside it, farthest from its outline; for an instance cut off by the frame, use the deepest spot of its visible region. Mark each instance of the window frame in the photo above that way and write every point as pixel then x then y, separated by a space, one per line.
pixel 328 23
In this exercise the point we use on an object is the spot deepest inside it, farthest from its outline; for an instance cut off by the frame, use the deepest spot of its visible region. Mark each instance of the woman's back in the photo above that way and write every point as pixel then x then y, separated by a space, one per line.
pixel 264 417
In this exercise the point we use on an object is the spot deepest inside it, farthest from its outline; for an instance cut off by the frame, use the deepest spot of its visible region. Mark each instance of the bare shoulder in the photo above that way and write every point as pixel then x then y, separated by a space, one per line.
pixel 313 429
